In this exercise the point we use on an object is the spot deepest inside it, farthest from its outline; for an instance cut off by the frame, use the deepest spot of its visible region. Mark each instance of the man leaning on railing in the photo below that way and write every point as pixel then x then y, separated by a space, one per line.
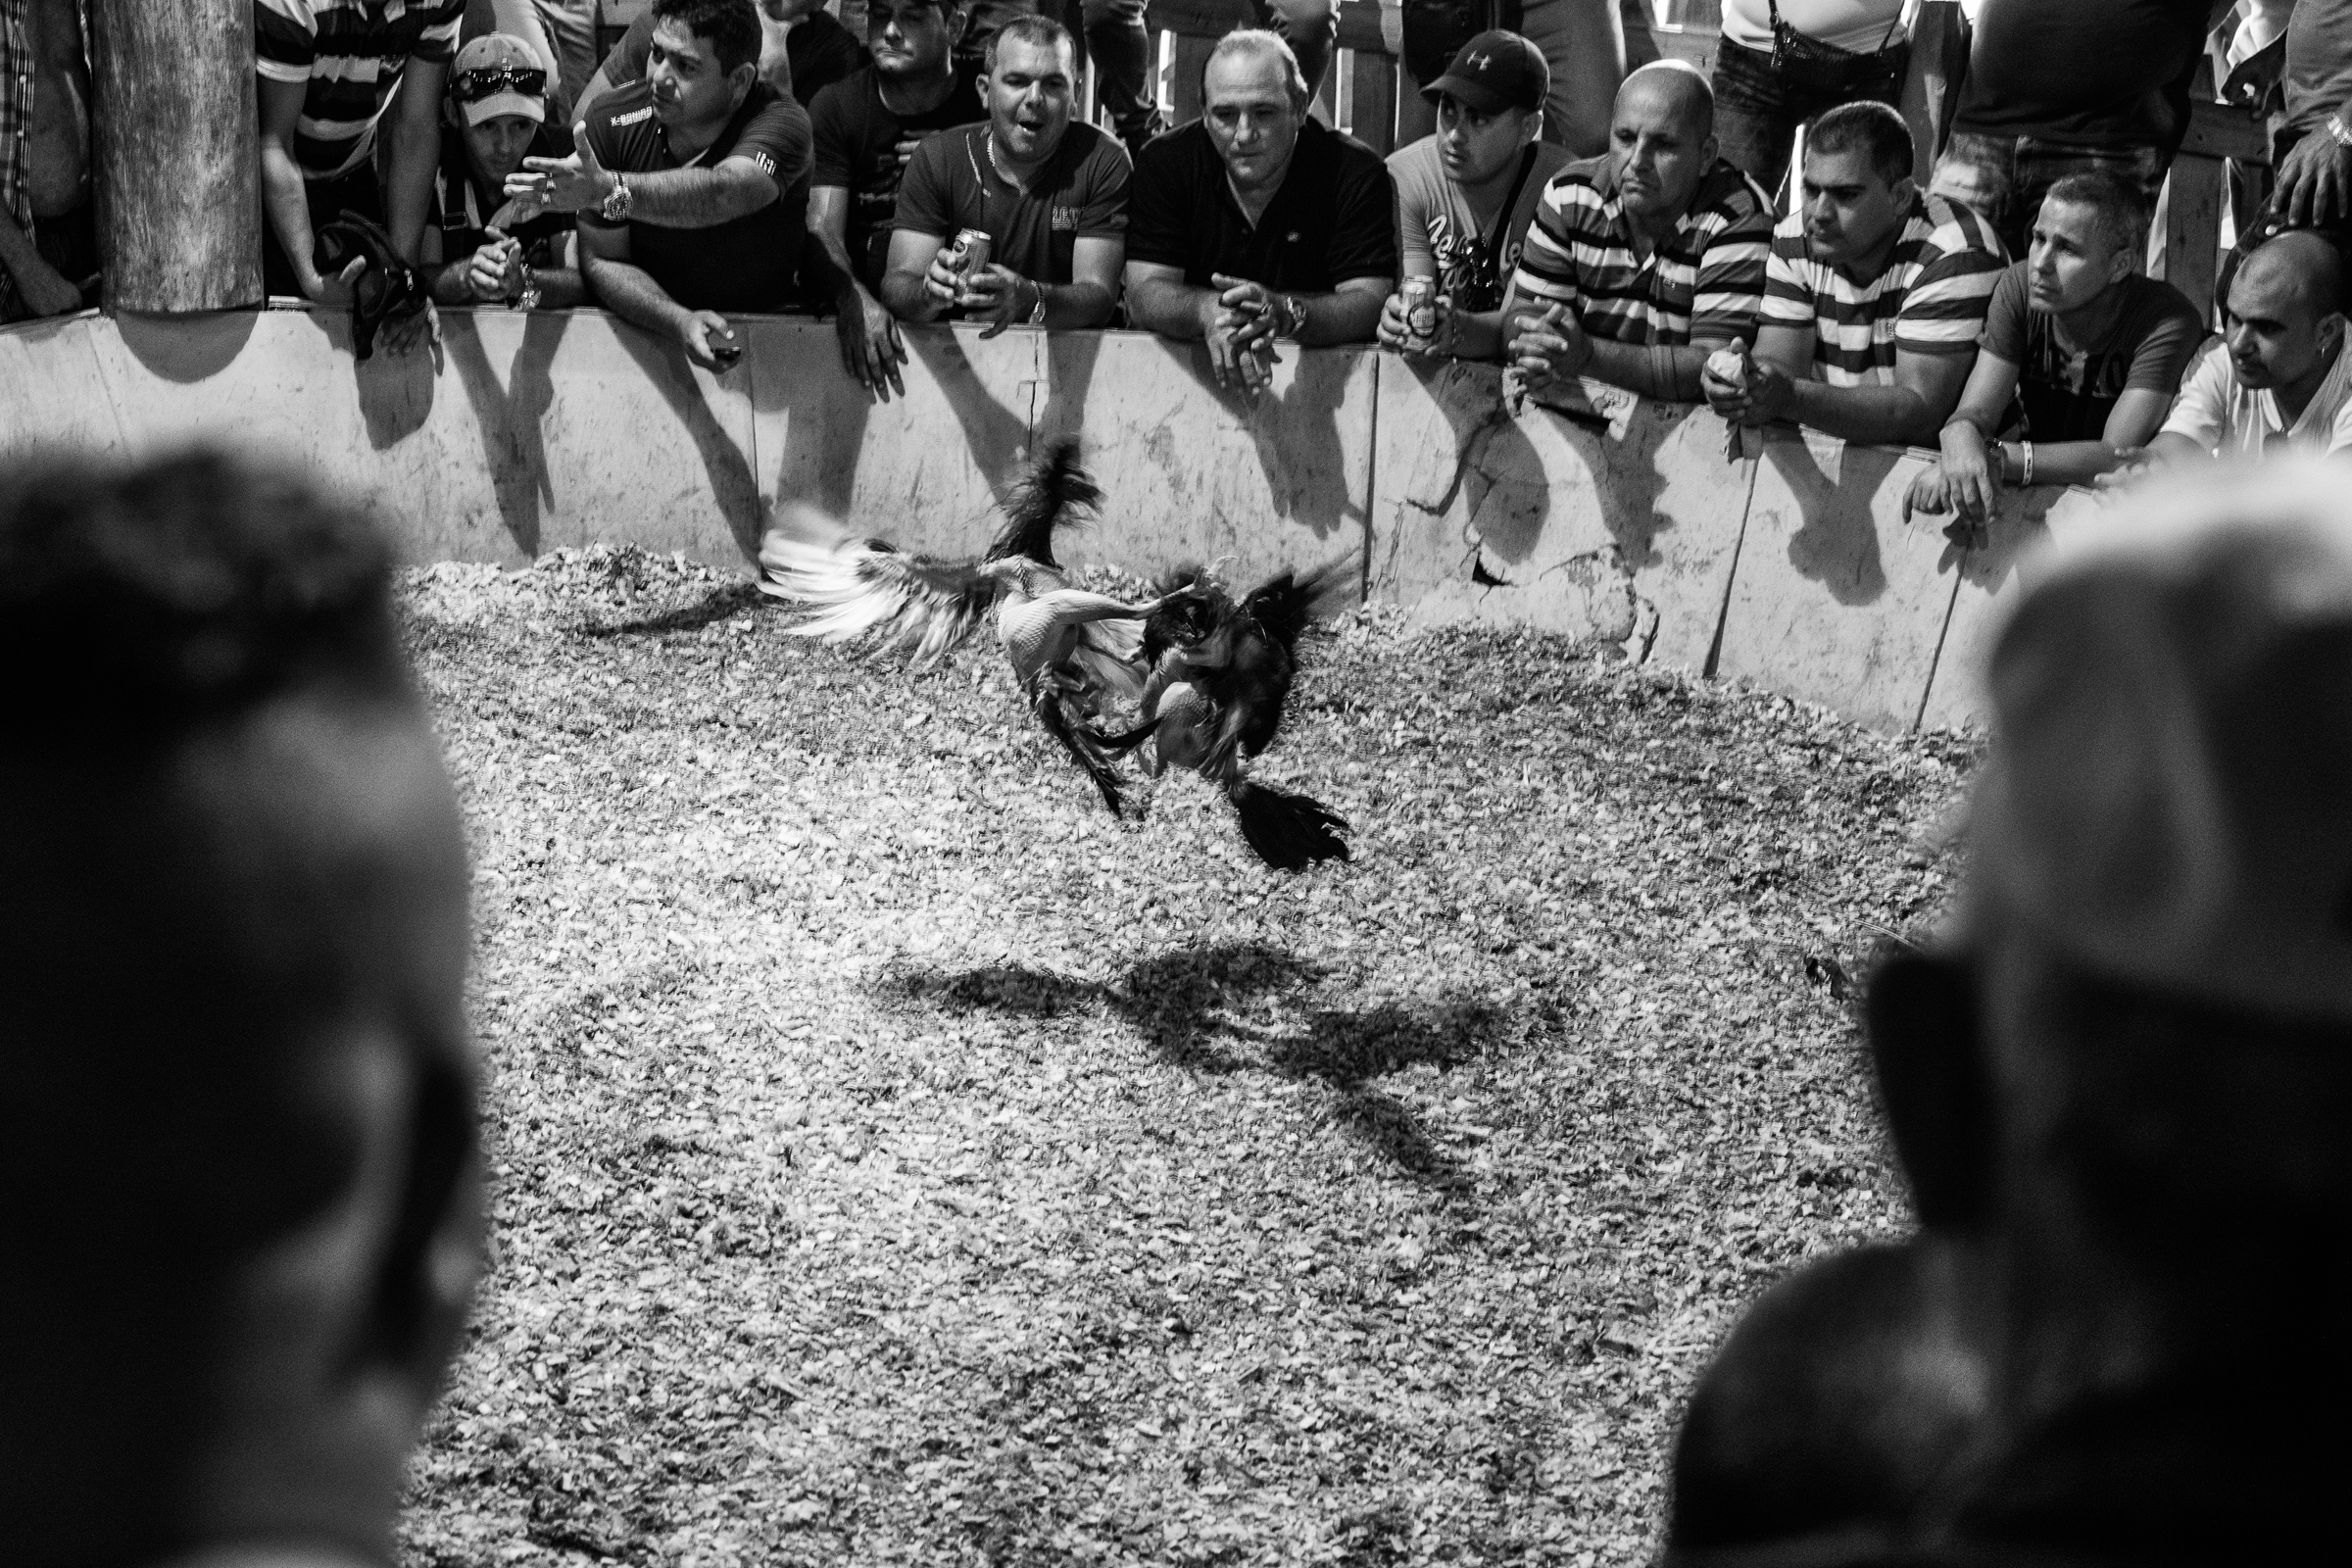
pixel 1466 194
pixel 1256 222
pixel 1050 195
pixel 1644 261
pixel 1873 300
pixel 691 185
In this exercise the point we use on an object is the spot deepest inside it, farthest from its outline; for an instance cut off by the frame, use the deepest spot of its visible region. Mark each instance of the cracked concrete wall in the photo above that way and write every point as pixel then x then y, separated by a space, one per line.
pixel 1594 514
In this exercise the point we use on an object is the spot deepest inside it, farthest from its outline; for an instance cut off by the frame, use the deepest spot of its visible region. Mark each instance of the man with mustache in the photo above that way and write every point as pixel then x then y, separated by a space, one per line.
pixel 1051 197
pixel 1873 300
pixel 1645 260
pixel 2281 377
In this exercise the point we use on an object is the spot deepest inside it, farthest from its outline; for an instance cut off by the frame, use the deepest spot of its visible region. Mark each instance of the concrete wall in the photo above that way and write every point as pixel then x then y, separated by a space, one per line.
pixel 1590 512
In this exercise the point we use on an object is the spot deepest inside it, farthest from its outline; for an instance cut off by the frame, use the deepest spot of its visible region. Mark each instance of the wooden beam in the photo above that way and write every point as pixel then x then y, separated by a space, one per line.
pixel 1372 85
pixel 2222 131
pixel 2192 228
pixel 1184 80
pixel 176 130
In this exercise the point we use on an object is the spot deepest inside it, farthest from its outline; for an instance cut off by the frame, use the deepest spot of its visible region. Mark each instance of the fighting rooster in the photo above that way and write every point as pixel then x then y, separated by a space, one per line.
pixel 1221 672
pixel 1072 651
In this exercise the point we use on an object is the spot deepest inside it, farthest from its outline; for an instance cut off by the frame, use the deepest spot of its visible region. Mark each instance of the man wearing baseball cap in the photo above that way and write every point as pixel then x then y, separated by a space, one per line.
pixel 1465 195
pixel 2120 1088
pixel 479 249
pixel 1644 259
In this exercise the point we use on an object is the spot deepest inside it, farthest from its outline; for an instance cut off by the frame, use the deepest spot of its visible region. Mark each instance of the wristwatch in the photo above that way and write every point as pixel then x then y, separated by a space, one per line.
pixel 1037 311
pixel 2337 130
pixel 528 299
pixel 619 201
pixel 1293 319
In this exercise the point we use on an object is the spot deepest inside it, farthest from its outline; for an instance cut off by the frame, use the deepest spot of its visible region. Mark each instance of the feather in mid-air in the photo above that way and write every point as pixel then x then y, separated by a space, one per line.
pixel 1072 652
pixel 1221 675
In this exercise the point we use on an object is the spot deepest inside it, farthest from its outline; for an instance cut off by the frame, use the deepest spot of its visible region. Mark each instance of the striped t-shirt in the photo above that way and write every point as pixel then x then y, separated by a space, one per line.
pixel 350 53
pixel 1704 282
pixel 1929 298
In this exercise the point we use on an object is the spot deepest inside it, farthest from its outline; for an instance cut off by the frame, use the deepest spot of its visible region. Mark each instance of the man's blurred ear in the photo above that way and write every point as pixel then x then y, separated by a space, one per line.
pixel 1925 1042
pixel 433 1256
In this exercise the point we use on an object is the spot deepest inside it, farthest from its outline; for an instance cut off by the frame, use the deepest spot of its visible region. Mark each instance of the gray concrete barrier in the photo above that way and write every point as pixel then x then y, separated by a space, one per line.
pixel 1587 511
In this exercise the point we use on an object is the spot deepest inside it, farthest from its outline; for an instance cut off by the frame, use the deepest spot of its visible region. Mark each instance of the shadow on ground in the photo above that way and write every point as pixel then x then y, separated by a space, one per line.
pixel 1222 1009
pixel 720 604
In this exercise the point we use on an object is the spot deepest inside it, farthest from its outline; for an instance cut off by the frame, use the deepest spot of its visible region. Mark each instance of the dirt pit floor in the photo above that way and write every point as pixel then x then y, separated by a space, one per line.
pixel 895 1159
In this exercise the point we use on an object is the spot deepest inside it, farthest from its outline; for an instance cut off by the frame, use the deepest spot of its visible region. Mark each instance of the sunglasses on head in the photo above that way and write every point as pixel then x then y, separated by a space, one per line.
pixel 472 86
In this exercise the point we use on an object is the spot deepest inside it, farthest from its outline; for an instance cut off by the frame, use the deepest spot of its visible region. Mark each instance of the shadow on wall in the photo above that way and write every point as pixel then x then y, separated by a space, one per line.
pixel 733 486
pixel 1837 542
pixel 512 418
pixel 1295 432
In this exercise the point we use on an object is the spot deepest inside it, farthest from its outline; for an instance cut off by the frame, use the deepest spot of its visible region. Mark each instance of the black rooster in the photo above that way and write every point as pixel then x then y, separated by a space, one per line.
pixel 1221 672
pixel 1070 650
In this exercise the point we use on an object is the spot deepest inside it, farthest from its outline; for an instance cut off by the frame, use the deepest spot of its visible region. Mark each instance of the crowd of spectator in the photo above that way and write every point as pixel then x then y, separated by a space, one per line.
pixel 750 155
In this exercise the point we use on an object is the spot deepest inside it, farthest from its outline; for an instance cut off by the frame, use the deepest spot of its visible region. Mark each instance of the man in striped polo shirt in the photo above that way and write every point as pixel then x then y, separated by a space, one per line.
pixel 328 70
pixel 1643 259
pixel 1874 299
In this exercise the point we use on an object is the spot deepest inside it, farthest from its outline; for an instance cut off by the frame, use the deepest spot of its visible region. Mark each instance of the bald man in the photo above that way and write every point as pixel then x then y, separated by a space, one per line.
pixel 2279 377
pixel 1643 261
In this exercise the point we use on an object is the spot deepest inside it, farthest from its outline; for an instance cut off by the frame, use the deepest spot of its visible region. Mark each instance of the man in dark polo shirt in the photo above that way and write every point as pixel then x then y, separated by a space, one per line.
pixel 691 185
pixel 1256 222
pixel 1050 196
pixel 803 51
pixel 476 250
pixel 867 129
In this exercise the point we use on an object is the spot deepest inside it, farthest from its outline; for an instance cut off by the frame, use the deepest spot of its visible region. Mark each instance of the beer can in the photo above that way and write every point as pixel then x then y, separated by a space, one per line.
pixel 968 253
pixel 1421 308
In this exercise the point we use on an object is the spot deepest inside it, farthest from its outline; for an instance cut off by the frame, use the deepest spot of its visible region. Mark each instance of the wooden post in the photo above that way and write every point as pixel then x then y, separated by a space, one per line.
pixel 176 126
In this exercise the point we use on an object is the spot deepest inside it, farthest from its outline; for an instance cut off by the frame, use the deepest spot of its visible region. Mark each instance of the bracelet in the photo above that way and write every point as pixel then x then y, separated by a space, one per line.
pixel 528 299
pixel 1037 311
pixel 2336 129
pixel 2028 447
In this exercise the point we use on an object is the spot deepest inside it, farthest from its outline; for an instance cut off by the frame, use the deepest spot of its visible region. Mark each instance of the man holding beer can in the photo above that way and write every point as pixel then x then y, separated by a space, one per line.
pixel 1036 206
pixel 1466 196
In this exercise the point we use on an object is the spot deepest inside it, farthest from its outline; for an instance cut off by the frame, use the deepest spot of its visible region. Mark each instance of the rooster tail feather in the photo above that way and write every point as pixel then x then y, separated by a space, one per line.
pixel 1289 832
pixel 1050 491
pixel 1080 741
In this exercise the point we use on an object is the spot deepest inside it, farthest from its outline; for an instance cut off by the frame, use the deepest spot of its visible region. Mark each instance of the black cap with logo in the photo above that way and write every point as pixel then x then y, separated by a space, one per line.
pixel 1494 71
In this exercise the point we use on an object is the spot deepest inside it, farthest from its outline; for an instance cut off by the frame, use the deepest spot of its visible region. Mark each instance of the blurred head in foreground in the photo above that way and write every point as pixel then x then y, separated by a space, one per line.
pixel 236 1096
pixel 2121 1091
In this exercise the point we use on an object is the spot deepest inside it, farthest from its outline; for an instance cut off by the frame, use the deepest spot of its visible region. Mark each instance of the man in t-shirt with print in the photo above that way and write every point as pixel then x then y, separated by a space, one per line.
pixel 1873 299
pixel 329 70
pixel 2081 361
pixel 1050 196
pixel 867 128
pixel 1645 260
pixel 1257 222
pixel 1465 195
pixel 692 186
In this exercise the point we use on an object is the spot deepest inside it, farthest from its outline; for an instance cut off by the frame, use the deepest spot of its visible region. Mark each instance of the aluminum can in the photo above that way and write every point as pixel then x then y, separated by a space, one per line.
pixel 1421 308
pixel 968 253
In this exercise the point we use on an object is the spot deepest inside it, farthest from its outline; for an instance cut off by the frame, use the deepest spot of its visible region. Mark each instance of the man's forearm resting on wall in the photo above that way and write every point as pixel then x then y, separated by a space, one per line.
pixel 1651 370
pixel 629 292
